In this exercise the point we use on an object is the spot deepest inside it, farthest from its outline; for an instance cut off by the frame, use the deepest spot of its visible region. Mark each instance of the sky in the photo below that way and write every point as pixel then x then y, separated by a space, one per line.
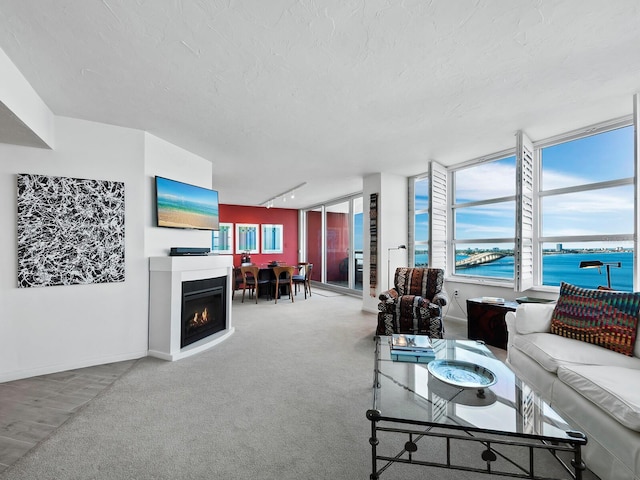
pixel 357 233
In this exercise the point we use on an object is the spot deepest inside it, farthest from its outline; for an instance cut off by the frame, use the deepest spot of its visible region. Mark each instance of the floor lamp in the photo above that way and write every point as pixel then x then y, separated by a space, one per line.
pixel 598 264
pixel 399 247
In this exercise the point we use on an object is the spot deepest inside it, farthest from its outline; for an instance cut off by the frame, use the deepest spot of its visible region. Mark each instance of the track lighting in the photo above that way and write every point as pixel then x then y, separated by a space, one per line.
pixel 291 193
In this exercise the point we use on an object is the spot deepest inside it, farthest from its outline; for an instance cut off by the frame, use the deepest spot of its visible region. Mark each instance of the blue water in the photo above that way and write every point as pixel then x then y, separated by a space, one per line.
pixel 564 268
pixel 561 267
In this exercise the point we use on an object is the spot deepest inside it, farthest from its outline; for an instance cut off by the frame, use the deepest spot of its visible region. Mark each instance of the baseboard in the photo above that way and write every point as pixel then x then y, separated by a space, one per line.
pixel 195 348
pixel 449 318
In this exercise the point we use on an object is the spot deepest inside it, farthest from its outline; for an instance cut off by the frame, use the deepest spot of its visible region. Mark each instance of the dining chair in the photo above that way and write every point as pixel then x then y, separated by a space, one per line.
pixel 283 275
pixel 238 280
pixel 303 277
pixel 252 281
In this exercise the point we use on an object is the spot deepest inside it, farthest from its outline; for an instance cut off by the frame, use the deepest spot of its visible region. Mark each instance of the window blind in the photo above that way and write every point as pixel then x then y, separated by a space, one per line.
pixel 438 216
pixel 523 247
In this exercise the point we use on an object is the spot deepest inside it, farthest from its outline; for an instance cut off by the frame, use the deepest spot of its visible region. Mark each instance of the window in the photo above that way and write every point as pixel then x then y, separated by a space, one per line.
pixel 586 205
pixel 531 218
pixel 421 222
pixel 483 214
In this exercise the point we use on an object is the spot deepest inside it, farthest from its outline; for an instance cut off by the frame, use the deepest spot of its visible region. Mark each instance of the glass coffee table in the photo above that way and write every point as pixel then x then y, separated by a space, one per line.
pixel 486 422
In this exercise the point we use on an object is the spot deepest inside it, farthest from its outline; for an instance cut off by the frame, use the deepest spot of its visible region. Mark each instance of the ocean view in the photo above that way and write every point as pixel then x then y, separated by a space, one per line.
pixel 562 267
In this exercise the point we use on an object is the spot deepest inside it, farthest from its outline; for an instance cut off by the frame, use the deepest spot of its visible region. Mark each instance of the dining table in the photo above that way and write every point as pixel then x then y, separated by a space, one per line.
pixel 266 273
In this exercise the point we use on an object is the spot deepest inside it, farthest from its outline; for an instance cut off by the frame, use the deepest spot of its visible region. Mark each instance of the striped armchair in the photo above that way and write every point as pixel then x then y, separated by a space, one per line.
pixel 415 303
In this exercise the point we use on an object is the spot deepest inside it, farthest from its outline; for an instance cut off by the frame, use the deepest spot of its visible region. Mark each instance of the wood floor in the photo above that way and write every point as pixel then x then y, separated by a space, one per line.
pixel 31 409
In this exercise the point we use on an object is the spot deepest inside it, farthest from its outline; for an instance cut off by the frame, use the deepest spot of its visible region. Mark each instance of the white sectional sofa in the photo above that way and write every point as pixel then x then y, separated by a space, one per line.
pixel 595 389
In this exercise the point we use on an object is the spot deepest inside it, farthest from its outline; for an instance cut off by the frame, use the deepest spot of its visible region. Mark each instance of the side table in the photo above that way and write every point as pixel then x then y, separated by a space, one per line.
pixel 485 321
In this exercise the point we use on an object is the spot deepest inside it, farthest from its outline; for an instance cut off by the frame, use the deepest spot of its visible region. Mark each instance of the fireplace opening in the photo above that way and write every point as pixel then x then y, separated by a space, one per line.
pixel 204 309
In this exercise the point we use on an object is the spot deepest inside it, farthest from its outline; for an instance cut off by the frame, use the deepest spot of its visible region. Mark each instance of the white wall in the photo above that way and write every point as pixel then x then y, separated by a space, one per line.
pixel 394 208
pixel 50 329
pixel 167 160
pixel 393 225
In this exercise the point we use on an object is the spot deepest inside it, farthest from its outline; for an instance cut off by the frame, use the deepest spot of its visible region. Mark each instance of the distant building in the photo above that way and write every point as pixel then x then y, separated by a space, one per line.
pixel 558 247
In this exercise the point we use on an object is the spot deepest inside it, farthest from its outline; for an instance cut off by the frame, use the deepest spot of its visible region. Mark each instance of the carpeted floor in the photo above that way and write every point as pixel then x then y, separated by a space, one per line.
pixel 284 398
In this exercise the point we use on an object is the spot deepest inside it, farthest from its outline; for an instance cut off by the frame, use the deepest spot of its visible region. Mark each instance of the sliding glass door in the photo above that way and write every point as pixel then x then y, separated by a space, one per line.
pixel 338 243
pixel 357 238
pixel 333 242
pixel 314 246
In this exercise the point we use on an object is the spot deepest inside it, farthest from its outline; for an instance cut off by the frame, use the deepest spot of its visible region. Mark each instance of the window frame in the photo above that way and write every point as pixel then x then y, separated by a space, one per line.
pixel 454 206
pixel 320 267
pixel 413 243
pixel 539 195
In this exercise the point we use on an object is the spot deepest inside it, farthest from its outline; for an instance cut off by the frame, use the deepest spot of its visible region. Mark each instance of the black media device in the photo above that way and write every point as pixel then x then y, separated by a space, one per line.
pixel 181 251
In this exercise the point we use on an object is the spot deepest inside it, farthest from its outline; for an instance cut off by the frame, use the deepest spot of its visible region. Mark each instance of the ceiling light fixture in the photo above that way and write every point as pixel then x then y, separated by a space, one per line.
pixel 291 193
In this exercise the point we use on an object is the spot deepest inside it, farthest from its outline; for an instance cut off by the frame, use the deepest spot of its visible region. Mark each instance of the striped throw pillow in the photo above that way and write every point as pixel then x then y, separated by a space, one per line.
pixel 602 317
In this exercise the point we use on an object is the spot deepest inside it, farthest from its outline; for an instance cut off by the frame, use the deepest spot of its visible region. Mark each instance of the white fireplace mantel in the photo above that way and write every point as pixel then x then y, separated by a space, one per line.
pixel 166 275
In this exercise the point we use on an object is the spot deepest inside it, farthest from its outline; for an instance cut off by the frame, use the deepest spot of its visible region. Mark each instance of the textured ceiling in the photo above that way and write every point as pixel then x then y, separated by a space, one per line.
pixel 279 92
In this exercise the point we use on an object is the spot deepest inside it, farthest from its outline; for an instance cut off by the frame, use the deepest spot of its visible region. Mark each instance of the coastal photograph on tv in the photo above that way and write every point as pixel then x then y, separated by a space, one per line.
pixel 180 205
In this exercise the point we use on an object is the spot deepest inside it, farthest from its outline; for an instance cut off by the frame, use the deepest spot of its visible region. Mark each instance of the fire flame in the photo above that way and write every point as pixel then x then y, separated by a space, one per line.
pixel 199 319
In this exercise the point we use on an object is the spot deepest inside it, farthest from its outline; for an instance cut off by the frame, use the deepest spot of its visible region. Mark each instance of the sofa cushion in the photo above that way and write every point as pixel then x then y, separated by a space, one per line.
pixel 533 318
pixel 553 351
pixel 616 390
pixel 603 317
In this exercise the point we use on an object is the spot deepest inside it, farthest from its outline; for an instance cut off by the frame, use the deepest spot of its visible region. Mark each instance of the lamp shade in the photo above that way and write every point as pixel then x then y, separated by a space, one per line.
pixel 591 264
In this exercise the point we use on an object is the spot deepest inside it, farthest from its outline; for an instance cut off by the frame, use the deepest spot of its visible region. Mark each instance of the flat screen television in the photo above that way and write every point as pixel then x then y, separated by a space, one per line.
pixel 180 205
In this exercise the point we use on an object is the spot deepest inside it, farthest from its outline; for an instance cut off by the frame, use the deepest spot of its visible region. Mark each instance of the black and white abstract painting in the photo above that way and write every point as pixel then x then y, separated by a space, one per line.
pixel 70 231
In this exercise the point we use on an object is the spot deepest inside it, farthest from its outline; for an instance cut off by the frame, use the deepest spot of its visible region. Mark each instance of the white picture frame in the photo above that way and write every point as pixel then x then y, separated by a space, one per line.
pixel 247 238
pixel 272 238
pixel 222 239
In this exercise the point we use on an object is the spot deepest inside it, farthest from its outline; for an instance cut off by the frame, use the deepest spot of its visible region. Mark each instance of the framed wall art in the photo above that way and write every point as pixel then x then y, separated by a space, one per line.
pixel 247 238
pixel 70 231
pixel 222 240
pixel 272 238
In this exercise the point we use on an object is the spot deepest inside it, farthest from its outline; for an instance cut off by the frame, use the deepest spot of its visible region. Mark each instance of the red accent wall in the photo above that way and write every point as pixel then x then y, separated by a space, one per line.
pixel 286 217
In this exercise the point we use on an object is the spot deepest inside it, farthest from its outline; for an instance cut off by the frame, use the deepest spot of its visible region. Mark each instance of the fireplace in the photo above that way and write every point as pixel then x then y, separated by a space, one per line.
pixel 204 309
pixel 167 275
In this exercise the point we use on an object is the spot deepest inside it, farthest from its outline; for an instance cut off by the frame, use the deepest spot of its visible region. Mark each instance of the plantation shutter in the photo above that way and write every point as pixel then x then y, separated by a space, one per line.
pixel 523 248
pixel 636 186
pixel 438 216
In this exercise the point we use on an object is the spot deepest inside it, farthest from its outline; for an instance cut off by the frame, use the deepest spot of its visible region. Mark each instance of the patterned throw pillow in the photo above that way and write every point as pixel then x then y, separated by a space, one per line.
pixel 602 317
